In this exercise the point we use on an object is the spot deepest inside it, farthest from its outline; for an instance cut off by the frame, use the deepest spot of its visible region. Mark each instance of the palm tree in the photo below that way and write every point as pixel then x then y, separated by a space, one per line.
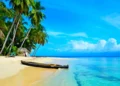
pixel 25 38
pixel 14 34
pixel 20 32
pixel 20 7
pixel 5 13
pixel 40 37
pixel 8 35
pixel 36 16
pixel 42 41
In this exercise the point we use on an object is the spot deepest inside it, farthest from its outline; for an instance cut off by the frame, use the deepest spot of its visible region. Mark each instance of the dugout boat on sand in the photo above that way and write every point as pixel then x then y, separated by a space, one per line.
pixel 43 65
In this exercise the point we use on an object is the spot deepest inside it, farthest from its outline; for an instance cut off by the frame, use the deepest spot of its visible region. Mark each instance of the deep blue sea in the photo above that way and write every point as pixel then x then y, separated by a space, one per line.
pixel 101 71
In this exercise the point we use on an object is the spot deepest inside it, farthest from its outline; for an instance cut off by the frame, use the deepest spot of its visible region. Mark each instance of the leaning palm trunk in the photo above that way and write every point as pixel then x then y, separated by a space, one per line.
pixel 34 53
pixel 25 38
pixel 14 34
pixel 8 35
pixel 11 41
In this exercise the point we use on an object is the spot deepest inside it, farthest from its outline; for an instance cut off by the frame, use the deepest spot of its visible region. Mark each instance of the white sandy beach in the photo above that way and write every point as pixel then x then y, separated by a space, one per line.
pixel 12 72
pixel 10 68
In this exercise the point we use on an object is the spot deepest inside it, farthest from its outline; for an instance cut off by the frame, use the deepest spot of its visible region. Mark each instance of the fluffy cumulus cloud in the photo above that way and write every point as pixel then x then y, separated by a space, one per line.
pixel 101 46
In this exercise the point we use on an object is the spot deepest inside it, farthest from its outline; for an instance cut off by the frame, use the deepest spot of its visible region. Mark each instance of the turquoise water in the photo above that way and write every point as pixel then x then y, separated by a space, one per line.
pixel 88 72
pixel 96 71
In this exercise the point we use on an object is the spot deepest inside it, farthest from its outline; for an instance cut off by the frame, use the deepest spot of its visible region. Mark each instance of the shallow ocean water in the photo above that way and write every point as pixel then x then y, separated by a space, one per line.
pixel 96 71
pixel 103 71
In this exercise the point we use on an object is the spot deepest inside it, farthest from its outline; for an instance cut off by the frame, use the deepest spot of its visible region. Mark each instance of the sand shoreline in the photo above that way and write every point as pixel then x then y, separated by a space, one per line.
pixel 12 70
pixel 13 65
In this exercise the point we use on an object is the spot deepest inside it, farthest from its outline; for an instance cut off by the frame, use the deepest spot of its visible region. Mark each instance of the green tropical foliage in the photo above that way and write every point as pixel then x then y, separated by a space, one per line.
pixel 13 31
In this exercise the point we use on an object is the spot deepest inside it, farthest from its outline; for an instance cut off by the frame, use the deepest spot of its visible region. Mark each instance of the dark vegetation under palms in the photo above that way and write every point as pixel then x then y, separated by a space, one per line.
pixel 14 34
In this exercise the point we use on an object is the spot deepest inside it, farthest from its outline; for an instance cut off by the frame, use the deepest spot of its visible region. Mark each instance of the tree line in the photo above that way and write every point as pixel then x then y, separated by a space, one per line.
pixel 15 33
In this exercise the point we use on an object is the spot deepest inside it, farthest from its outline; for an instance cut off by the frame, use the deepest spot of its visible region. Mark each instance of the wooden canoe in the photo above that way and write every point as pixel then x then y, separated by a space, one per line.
pixel 43 65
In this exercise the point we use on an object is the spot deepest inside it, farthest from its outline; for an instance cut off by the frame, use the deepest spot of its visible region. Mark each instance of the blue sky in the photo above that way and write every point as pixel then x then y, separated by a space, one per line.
pixel 76 26
pixel 80 26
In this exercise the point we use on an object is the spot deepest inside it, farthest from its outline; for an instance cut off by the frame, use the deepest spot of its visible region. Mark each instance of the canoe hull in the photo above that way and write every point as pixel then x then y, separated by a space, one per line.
pixel 43 65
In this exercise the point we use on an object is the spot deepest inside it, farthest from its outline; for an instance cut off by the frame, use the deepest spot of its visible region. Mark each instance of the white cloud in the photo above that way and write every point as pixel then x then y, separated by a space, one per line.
pixel 53 33
pixel 84 46
pixel 102 45
pixel 113 19
pixel 81 45
pixel 80 34
pixel 62 34
pixel 112 45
